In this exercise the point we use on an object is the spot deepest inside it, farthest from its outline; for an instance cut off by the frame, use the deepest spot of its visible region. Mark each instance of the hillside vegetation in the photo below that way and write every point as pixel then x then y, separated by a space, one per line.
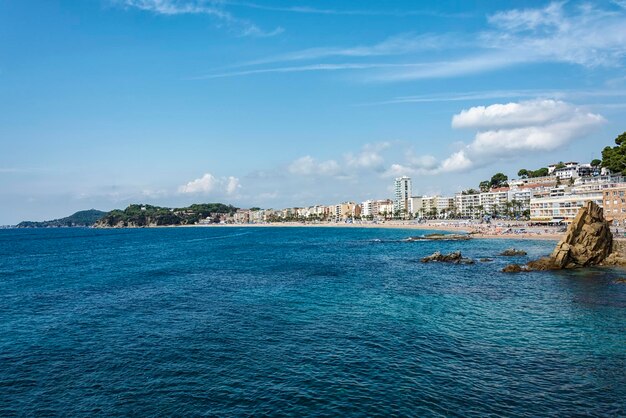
pixel 148 215
pixel 81 218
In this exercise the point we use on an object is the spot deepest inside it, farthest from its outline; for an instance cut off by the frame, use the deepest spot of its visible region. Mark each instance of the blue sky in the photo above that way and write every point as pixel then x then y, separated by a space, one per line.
pixel 276 103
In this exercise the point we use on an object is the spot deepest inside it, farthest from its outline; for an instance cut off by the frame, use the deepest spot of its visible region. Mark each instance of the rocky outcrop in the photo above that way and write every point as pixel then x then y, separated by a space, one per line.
pixel 588 242
pixel 515 268
pixel 454 257
pixel 512 252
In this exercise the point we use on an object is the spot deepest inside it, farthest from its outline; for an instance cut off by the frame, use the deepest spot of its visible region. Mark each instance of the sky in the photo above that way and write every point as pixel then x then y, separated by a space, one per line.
pixel 270 103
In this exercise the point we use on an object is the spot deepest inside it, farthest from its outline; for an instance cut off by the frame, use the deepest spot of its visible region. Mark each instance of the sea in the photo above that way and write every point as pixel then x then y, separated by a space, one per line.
pixel 227 321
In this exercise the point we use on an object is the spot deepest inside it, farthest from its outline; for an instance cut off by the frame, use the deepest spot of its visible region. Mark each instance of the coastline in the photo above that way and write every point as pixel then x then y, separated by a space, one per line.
pixel 475 232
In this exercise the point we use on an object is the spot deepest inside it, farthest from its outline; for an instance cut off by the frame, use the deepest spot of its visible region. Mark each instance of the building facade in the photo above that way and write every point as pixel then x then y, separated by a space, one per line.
pixel 403 192
pixel 614 201
pixel 561 207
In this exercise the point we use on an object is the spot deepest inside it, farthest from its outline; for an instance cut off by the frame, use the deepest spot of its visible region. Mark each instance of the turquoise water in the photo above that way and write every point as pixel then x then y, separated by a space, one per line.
pixel 299 321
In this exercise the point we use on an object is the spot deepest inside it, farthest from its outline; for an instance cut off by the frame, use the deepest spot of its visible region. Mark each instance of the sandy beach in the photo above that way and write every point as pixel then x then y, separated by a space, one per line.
pixel 477 230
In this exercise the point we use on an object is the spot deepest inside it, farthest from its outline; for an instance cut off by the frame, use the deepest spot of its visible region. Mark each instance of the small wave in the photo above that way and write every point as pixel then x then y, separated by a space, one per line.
pixel 218 237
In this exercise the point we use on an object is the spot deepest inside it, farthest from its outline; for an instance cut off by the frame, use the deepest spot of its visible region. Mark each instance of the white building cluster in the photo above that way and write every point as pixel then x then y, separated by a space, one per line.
pixel 550 199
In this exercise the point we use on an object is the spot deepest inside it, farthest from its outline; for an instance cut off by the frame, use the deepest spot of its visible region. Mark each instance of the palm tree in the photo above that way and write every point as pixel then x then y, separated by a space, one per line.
pixel 508 205
pixel 480 209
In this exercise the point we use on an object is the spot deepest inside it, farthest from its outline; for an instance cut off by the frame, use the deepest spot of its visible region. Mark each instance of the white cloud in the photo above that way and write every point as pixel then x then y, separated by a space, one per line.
pixel 512 115
pixel 426 162
pixel 369 157
pixel 209 184
pixel 507 130
pixel 205 184
pixel 232 185
pixel 458 161
pixel 308 166
pixel 213 8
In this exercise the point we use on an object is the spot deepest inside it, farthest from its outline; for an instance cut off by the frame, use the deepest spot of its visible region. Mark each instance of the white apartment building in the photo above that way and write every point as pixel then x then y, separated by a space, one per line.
pixel 561 208
pixel 385 208
pixel 421 206
pixel 495 202
pixel 367 208
pixel 445 205
pixel 467 205
pixel 403 192
pixel 376 208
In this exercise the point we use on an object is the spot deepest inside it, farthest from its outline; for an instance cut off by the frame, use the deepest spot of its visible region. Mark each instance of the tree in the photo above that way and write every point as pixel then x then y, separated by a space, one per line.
pixel 499 180
pixel 542 172
pixel 614 158
pixel 484 186
pixel 596 163
pixel 523 173
pixel 560 165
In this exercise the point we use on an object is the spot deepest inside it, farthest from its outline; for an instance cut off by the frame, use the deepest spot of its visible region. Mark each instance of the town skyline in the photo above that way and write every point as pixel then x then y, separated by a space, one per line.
pixel 254 105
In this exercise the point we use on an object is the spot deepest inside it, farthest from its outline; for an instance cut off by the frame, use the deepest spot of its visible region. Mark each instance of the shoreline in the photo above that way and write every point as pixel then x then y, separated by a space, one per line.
pixel 461 229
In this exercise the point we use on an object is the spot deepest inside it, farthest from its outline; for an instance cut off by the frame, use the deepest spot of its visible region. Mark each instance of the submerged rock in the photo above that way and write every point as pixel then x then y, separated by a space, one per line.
pixel 454 257
pixel 614 259
pixel 515 268
pixel 543 264
pixel 512 252
pixel 486 260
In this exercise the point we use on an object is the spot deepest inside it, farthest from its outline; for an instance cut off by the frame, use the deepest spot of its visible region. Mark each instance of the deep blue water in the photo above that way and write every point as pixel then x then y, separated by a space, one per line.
pixel 299 321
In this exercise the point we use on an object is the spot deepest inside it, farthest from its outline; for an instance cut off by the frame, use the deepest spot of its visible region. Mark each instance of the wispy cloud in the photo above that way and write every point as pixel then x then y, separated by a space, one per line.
pixel 213 8
pixel 346 12
pixel 395 45
pixel 300 69
pixel 473 96
pixel 581 34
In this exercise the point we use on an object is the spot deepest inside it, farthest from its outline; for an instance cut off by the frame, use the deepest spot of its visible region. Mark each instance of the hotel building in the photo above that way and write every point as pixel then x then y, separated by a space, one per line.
pixel 403 192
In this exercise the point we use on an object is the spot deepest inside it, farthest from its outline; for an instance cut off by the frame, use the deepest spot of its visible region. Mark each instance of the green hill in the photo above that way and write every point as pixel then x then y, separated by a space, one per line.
pixel 148 215
pixel 81 218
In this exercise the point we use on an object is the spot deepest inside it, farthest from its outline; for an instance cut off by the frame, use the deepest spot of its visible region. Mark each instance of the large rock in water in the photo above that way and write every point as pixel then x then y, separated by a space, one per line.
pixel 454 257
pixel 588 242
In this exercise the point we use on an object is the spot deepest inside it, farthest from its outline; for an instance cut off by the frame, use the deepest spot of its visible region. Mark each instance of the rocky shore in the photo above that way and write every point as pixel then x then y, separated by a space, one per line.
pixel 588 242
